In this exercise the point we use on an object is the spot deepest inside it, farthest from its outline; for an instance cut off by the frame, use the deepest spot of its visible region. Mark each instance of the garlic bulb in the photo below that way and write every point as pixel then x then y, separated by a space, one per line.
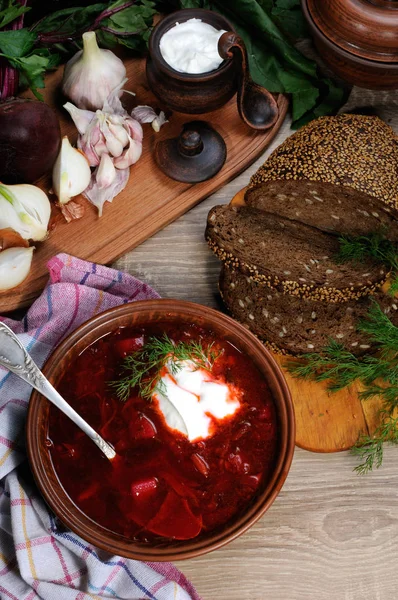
pixel 26 209
pixel 15 265
pixel 92 74
pixel 71 172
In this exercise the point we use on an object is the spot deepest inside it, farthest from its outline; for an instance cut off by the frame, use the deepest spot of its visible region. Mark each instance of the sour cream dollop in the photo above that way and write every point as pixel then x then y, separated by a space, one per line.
pixel 191 47
pixel 190 400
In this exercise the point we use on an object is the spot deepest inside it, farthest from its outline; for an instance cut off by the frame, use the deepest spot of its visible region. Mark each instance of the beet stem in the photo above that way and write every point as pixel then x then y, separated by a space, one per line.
pixel 52 38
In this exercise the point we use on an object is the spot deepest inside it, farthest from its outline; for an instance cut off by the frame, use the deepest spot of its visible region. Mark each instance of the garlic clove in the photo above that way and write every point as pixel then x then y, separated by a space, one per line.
pixel 15 265
pixel 106 172
pixel 129 156
pixel 26 209
pixel 114 146
pixel 81 118
pixel 135 129
pixel 146 114
pixel 119 132
pixel 71 172
pixel 98 196
pixel 92 74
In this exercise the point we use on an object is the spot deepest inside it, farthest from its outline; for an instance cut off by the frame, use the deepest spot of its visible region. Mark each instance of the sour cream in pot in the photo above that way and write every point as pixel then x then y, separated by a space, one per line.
pixel 191 47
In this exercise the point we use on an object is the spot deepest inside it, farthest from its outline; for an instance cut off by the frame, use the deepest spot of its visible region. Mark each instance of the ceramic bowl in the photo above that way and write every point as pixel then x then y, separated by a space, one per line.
pixel 183 92
pixel 357 39
pixel 139 314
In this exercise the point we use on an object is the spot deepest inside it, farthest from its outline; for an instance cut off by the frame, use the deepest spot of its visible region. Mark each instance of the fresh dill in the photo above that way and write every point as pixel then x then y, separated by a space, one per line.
pixel 142 369
pixel 369 449
pixel 378 373
pixel 376 246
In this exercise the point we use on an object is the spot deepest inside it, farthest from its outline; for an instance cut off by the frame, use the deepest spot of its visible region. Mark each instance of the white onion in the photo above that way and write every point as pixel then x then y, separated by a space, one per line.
pixel 26 209
pixel 14 266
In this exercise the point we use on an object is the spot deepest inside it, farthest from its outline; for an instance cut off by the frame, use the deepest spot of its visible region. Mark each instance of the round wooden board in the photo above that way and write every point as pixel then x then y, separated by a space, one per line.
pixel 325 421
pixel 151 200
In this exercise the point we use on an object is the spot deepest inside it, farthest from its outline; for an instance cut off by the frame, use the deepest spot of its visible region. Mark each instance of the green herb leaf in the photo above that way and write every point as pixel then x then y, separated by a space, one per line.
pixel 16 44
pixel 288 16
pixel 143 368
pixel 9 11
pixel 370 448
pixel 375 246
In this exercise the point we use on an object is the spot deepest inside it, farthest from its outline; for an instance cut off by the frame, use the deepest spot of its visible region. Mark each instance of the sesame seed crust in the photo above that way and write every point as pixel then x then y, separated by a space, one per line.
pixel 292 246
pixel 292 323
pixel 356 151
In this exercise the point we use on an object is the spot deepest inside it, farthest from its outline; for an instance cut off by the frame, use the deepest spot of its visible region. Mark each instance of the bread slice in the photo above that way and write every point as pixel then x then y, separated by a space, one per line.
pixel 293 258
pixel 354 151
pixel 295 325
pixel 325 206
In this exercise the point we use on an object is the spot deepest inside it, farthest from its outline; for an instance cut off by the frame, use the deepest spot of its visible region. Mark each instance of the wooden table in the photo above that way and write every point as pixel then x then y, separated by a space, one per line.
pixel 330 535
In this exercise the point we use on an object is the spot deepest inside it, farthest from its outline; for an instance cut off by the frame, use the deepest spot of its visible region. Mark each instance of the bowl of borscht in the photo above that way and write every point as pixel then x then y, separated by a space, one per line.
pixel 198 412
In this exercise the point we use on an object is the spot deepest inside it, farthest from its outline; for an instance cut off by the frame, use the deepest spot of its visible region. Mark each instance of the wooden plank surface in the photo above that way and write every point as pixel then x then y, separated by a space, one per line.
pixel 330 535
pixel 150 201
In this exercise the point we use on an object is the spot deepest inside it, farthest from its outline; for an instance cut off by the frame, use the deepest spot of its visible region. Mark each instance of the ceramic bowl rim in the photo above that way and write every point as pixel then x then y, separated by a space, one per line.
pixel 103 538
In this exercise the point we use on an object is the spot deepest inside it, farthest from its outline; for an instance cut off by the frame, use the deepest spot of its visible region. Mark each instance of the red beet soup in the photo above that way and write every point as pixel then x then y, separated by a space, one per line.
pixel 161 485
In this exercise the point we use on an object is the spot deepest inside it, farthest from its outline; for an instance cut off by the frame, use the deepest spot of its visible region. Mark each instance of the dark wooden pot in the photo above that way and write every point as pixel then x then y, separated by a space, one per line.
pixel 134 315
pixel 357 39
pixel 183 92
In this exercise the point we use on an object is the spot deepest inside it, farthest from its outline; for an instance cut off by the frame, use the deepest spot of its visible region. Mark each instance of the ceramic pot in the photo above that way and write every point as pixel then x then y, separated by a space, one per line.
pixel 184 92
pixel 357 39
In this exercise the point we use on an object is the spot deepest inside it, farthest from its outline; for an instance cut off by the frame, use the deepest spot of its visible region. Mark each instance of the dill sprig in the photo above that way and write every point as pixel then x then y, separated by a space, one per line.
pixel 378 373
pixel 369 449
pixel 142 369
pixel 376 246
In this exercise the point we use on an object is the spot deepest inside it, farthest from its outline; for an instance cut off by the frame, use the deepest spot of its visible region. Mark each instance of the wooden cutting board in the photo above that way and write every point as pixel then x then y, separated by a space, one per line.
pixel 325 421
pixel 150 201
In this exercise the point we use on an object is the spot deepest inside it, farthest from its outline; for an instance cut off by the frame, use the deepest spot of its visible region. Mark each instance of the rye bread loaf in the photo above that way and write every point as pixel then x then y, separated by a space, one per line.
pixel 330 208
pixel 355 151
pixel 291 257
pixel 295 325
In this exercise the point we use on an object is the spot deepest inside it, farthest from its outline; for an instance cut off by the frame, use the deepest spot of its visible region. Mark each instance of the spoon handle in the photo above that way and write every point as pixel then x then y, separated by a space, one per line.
pixel 256 105
pixel 16 359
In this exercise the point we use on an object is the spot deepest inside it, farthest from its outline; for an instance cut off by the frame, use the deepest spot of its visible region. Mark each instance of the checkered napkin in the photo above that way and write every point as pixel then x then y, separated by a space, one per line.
pixel 38 557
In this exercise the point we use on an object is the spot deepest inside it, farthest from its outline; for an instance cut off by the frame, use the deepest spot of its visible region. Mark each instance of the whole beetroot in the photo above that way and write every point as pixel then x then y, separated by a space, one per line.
pixel 30 139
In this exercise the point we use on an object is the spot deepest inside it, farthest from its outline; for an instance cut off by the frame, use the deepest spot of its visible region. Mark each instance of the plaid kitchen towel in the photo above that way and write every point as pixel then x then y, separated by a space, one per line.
pixel 38 557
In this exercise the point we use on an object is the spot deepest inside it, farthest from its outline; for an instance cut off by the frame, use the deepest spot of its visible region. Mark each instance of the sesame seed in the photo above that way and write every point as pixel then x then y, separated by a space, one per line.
pixel 241 303
pixel 241 241
pixel 364 346
pixel 340 336
pixel 310 345
pixel 251 316
pixel 336 217
pixel 354 344
pixel 313 315
pixel 329 271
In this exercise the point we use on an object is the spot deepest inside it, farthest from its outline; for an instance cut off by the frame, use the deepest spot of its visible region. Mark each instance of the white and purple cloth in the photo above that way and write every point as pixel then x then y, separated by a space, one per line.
pixel 39 558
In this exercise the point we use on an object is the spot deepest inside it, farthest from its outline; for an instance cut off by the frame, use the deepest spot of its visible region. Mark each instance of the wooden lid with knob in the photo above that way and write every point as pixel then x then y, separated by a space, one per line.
pixel 365 28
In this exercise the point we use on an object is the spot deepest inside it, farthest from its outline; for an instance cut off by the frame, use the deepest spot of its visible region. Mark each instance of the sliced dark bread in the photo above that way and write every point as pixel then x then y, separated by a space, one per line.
pixel 289 256
pixel 356 151
pixel 295 325
pixel 330 208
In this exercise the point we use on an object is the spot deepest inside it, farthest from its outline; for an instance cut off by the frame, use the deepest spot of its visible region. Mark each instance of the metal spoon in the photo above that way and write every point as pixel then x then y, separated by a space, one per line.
pixel 16 359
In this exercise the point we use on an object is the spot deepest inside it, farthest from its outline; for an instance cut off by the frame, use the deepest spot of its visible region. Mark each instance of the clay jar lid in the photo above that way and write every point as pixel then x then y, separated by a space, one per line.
pixel 366 28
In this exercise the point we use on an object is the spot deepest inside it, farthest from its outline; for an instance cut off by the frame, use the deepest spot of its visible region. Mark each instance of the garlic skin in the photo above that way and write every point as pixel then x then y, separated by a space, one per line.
pixel 146 114
pixel 15 265
pixel 71 172
pixel 26 209
pixel 92 74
